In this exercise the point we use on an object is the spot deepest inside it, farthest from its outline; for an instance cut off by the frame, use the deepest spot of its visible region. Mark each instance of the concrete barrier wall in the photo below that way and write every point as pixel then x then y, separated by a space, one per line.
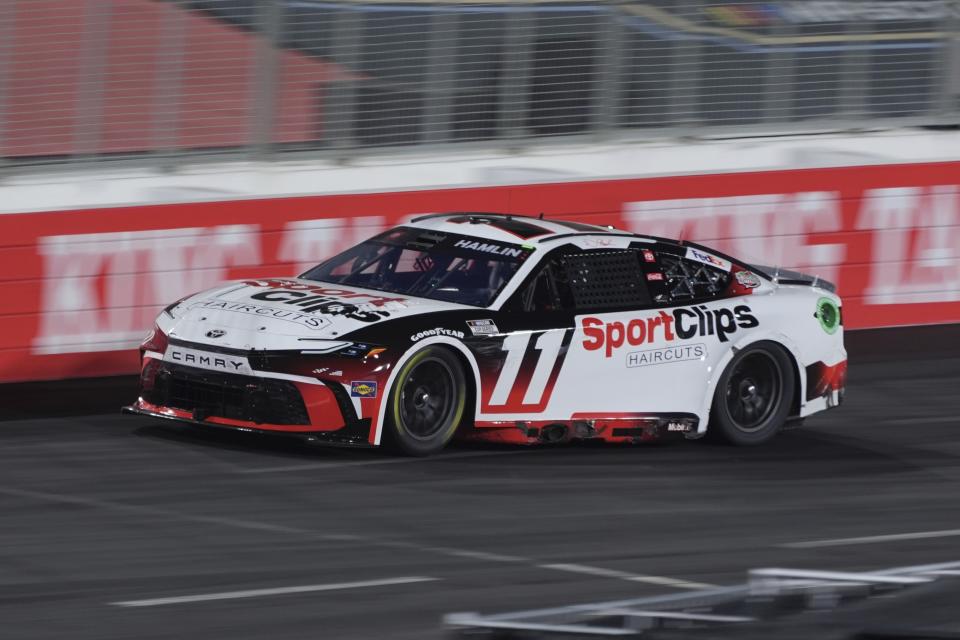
pixel 80 288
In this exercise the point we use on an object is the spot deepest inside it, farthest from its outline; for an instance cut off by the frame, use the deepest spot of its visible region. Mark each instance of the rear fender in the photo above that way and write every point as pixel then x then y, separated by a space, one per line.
pixel 757 336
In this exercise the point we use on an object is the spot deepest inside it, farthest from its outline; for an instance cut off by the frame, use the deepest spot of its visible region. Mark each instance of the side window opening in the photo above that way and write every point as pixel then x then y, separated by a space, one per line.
pixel 688 280
pixel 606 279
pixel 549 291
pixel 587 280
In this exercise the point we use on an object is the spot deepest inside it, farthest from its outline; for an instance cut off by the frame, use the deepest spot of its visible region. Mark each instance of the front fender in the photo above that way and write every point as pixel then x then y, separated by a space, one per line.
pixel 376 432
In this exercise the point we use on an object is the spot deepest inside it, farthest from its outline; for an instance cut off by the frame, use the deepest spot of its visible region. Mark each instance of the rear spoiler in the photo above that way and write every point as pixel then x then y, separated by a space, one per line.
pixel 786 276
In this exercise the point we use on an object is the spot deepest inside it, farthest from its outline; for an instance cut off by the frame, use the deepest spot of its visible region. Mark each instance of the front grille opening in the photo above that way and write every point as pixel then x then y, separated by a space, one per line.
pixel 211 394
pixel 343 401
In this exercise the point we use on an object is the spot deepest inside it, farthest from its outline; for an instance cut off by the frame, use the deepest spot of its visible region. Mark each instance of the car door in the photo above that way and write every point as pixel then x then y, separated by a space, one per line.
pixel 616 332
pixel 650 325
pixel 622 360
pixel 520 365
pixel 548 373
pixel 673 349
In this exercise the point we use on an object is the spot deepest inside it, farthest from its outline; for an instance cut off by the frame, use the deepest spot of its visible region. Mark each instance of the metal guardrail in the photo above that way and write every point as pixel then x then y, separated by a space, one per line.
pixel 768 594
pixel 90 80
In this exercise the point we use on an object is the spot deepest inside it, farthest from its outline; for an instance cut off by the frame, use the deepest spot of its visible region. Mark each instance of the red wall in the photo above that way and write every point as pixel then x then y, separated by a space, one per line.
pixel 79 288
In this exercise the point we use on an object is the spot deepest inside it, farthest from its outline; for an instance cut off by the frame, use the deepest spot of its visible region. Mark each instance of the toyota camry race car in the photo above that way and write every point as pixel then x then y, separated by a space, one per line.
pixel 508 328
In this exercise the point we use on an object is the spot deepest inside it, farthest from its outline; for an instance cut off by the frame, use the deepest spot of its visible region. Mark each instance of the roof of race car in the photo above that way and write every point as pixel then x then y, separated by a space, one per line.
pixel 506 227
pixel 509 227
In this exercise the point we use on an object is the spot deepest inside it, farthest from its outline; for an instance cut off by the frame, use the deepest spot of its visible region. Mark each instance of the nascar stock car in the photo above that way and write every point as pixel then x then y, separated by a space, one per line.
pixel 508 328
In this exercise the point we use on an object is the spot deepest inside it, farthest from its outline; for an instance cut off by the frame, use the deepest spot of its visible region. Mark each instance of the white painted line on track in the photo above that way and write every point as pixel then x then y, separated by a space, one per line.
pixel 671 615
pixel 601 572
pixel 476 555
pixel 254 525
pixel 922 420
pixel 893 537
pixel 267 527
pixel 277 591
pixel 321 466
pixel 110 505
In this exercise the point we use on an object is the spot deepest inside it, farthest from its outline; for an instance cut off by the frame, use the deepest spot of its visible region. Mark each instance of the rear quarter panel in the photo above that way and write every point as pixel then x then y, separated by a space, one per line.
pixel 787 315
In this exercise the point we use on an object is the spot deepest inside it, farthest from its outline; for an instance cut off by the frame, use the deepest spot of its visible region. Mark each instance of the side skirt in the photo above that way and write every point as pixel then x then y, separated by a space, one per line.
pixel 618 428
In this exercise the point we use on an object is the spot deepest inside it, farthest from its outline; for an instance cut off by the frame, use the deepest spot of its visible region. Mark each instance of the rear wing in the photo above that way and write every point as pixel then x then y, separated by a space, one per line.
pixel 787 276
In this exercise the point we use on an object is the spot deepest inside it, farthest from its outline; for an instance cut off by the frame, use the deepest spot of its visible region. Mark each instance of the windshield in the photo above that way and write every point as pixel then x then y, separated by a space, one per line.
pixel 428 264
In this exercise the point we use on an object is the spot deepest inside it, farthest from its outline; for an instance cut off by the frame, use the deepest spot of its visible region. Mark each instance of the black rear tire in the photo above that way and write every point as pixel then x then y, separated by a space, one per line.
pixel 426 403
pixel 753 397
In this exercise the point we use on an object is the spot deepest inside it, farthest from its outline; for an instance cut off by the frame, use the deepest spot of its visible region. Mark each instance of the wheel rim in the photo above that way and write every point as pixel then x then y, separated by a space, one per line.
pixel 753 391
pixel 428 399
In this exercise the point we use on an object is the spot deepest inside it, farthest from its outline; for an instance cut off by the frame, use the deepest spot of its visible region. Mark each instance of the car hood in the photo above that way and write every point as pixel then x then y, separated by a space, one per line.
pixel 288 313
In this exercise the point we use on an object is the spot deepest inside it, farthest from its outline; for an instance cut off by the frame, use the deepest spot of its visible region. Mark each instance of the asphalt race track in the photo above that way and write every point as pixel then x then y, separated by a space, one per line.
pixel 99 512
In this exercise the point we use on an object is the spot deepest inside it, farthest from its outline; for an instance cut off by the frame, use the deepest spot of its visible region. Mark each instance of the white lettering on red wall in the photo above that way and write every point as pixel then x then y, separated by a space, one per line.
pixel 307 242
pixel 888 236
pixel 102 290
pixel 916 244
pixel 771 229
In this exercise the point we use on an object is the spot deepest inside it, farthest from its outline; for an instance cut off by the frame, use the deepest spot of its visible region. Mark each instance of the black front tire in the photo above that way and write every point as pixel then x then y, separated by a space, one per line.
pixel 753 397
pixel 426 402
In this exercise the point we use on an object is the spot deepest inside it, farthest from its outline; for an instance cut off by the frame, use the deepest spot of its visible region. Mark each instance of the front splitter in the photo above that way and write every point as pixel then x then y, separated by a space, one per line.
pixel 336 438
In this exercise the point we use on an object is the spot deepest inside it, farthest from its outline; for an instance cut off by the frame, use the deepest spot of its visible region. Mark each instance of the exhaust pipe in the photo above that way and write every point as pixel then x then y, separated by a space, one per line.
pixel 553 433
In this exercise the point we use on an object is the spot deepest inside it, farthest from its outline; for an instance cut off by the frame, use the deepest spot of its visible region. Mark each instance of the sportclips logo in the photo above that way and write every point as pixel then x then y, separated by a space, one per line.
pixel 682 324
pixel 331 301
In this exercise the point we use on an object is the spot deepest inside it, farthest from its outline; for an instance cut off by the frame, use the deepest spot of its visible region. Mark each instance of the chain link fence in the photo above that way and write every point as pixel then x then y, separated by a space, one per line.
pixel 84 80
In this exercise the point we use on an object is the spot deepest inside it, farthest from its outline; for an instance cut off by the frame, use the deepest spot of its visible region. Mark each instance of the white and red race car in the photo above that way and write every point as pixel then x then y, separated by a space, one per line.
pixel 506 328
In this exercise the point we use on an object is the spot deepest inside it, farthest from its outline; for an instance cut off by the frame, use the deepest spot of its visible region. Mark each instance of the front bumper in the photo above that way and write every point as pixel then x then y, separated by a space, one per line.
pixel 316 409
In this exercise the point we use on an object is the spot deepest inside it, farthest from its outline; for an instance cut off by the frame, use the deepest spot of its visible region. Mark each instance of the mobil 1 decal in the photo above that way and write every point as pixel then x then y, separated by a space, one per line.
pixel 519 370
pixel 665 336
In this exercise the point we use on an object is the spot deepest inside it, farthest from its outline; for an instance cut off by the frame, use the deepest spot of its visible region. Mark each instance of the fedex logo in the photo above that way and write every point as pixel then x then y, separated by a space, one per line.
pixel 706 258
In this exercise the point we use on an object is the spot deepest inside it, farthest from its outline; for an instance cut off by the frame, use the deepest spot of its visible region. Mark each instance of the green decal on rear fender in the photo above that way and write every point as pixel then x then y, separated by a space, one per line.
pixel 828 313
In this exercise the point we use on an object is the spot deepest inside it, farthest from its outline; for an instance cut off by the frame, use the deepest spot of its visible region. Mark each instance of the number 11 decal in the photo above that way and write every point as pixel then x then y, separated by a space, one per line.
pixel 549 345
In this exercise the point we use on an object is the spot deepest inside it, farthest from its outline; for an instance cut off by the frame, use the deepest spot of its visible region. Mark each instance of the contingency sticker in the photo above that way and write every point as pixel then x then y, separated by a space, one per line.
pixel 748 279
pixel 707 258
pixel 483 327
pixel 363 389
pixel 828 313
